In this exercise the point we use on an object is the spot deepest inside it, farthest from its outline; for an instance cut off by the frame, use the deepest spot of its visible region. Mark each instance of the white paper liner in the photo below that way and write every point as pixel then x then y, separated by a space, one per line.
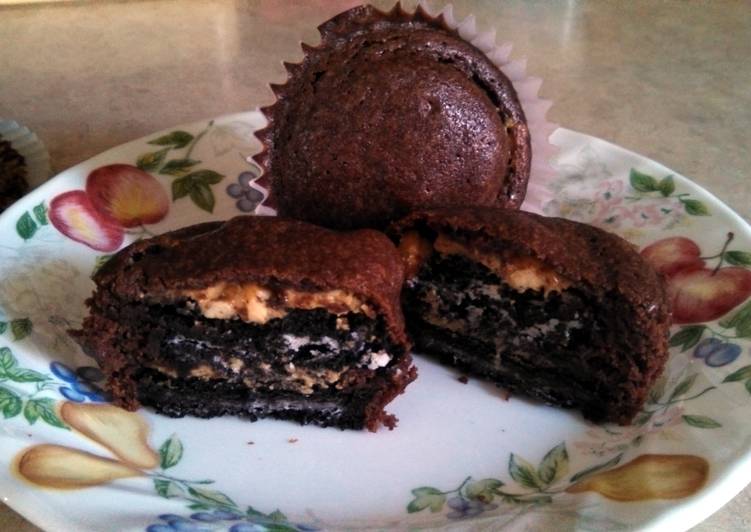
pixel 535 108
pixel 35 155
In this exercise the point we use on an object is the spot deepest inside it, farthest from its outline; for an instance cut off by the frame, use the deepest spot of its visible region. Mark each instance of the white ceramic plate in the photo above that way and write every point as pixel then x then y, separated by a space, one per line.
pixel 462 456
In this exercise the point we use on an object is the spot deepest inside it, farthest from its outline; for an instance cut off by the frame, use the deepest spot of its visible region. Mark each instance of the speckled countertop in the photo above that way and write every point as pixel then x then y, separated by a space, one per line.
pixel 669 80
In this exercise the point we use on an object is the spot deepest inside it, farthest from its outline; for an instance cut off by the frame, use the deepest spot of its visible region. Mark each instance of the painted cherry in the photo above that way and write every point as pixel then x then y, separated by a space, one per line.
pixel 706 295
pixel 73 214
pixel 671 255
pixel 127 194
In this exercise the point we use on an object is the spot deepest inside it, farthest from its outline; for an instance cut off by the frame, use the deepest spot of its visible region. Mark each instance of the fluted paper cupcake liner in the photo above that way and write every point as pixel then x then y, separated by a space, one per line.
pixel 26 143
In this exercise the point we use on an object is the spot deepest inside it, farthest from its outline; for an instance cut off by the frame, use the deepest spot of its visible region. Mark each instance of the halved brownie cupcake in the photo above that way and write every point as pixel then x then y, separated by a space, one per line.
pixel 391 112
pixel 551 308
pixel 258 316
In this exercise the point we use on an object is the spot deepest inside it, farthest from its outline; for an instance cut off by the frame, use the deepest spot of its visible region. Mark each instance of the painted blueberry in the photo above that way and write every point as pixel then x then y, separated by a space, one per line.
pixel 63 372
pixel 72 394
pixel 458 503
pixel 188 526
pixel 247 197
pixel 226 515
pixel 206 517
pixel 159 528
pixel 724 354
pixel 247 527
pixel 706 347
pixel 89 374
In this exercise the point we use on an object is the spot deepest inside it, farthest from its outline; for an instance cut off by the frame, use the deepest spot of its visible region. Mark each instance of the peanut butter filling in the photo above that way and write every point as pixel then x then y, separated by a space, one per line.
pixel 254 303
pixel 520 273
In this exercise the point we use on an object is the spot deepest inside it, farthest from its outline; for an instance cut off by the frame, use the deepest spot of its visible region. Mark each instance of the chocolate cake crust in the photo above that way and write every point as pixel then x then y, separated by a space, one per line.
pixel 390 112
pixel 597 341
pixel 264 250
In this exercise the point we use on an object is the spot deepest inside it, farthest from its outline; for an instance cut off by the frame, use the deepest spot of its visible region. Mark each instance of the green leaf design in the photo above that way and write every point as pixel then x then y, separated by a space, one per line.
pixel 643 418
pixel 181 188
pixel 740 317
pixel 536 499
pixel 26 227
pixel 46 409
pixel 687 337
pixel 666 186
pixel 554 465
pixel 684 386
pixel 701 422
pixel 658 389
pixel 3 326
pixel 277 516
pixel 21 328
pixel 739 375
pixel 642 182
pixel 150 161
pixel 31 411
pixel 10 403
pixel 211 498
pixel 482 490
pixel 168 488
pixel 743 328
pixel 177 139
pixel 279 527
pixel 178 167
pixel 523 472
pixel 202 196
pixel 100 261
pixel 7 361
pixel 170 452
pixel 426 497
pixel 252 512
pixel 40 213
pixel 738 258
pixel 209 177
pixel 748 386
pixel 695 207
pixel 196 506
pixel 25 375
pixel 594 469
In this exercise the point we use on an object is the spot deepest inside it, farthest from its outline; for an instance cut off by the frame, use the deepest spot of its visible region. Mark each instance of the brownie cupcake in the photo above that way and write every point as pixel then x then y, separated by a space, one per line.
pixel 550 308
pixel 257 317
pixel 13 182
pixel 390 112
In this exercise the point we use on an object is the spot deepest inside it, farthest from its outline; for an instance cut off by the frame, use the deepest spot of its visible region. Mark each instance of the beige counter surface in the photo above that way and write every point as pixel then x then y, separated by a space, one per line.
pixel 669 80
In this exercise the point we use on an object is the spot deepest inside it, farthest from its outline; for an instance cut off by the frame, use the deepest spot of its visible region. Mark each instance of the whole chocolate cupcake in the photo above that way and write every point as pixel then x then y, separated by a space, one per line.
pixel 13 183
pixel 392 111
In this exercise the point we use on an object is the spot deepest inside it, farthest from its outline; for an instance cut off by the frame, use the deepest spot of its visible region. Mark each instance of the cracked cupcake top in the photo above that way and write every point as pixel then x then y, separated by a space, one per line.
pixel 390 112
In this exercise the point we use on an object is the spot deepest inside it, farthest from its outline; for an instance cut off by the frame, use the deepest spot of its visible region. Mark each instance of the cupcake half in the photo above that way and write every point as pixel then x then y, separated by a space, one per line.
pixel 392 111
pixel 546 307
pixel 257 317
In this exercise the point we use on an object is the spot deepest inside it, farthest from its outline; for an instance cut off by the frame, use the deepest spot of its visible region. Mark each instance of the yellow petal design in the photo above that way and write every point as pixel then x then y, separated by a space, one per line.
pixel 124 433
pixel 60 467
pixel 649 476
